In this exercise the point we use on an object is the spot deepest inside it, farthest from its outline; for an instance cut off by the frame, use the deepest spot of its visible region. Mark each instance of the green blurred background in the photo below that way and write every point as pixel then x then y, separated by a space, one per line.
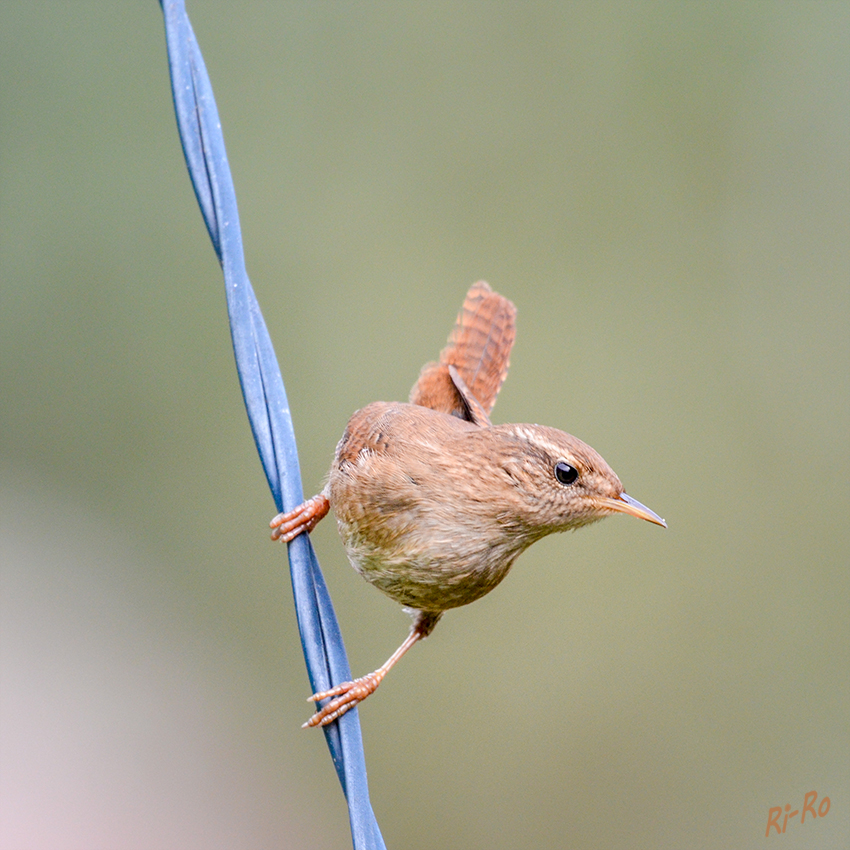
pixel 661 188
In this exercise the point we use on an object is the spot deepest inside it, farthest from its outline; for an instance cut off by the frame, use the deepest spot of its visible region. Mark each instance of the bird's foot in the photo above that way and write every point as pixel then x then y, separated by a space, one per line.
pixel 305 517
pixel 346 696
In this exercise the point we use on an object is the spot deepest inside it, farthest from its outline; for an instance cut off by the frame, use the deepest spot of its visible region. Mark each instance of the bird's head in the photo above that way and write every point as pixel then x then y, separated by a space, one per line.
pixel 555 482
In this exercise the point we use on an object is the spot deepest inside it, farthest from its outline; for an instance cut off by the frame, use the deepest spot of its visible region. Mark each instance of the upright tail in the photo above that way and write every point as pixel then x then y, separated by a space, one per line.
pixel 479 349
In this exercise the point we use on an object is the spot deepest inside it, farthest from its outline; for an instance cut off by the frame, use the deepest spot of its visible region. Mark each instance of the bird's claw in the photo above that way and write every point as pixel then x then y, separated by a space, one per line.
pixel 305 517
pixel 345 697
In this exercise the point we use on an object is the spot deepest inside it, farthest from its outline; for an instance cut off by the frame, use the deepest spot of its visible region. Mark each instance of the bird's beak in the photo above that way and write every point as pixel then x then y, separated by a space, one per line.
pixel 624 504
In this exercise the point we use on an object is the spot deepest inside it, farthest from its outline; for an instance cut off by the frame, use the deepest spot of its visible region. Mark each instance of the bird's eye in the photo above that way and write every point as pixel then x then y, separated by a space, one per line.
pixel 565 473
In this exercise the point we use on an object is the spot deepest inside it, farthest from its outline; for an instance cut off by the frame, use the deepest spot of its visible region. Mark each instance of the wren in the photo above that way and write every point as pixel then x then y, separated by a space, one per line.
pixel 434 503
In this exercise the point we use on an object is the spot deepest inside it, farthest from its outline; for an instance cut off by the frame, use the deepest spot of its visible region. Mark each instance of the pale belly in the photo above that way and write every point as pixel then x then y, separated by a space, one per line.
pixel 452 575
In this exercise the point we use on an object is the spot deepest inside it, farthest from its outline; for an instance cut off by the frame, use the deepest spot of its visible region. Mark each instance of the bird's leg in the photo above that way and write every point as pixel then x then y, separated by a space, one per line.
pixel 303 518
pixel 348 694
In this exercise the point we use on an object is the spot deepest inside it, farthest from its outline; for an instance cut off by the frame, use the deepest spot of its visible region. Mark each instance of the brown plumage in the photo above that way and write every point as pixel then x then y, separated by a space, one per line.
pixel 434 503
pixel 479 348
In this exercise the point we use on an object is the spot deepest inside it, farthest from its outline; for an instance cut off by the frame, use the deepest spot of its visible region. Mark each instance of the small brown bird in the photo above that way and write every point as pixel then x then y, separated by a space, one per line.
pixel 434 503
